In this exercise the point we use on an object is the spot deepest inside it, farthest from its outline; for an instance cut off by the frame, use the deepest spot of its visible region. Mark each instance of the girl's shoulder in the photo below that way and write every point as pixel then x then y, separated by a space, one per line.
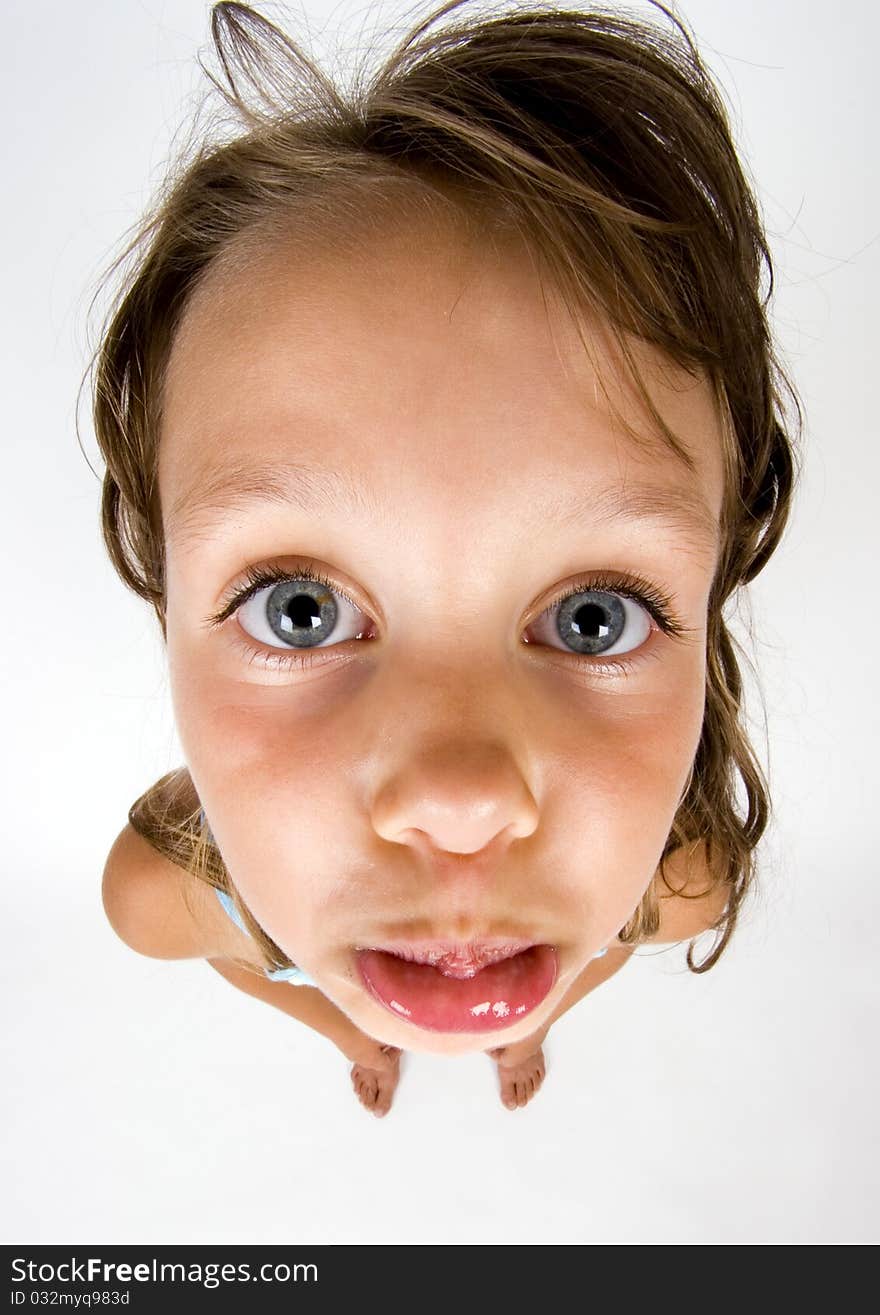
pixel 162 910
pixel 697 899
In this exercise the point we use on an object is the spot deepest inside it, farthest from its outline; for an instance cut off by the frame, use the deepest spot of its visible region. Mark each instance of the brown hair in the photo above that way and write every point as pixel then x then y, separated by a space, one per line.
pixel 602 140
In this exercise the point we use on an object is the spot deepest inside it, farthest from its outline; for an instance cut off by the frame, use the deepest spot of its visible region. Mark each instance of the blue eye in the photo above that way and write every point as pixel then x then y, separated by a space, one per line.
pixel 293 612
pixel 299 612
pixel 296 610
pixel 596 623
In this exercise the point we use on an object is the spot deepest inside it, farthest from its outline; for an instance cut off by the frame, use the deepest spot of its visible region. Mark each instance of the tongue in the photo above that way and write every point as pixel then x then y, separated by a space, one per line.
pixel 494 997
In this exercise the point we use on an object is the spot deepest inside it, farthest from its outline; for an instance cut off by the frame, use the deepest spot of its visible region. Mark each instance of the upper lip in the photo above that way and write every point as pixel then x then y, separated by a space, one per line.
pixel 466 957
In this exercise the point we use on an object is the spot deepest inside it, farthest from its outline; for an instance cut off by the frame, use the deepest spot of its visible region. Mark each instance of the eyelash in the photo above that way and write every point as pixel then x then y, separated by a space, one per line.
pixel 655 602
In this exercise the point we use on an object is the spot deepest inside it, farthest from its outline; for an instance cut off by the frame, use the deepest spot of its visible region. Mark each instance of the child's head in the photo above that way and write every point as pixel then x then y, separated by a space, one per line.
pixel 484 351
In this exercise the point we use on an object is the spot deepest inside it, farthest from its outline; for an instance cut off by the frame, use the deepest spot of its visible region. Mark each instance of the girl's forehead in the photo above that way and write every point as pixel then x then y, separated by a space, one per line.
pixel 411 292
pixel 387 358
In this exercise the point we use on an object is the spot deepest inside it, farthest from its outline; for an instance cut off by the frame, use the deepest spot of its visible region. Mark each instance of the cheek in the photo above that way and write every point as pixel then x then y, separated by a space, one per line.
pixel 622 778
pixel 249 737
pixel 266 764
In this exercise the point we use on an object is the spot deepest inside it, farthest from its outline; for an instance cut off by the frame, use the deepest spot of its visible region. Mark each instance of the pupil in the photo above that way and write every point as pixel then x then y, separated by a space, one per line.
pixel 303 612
pixel 589 620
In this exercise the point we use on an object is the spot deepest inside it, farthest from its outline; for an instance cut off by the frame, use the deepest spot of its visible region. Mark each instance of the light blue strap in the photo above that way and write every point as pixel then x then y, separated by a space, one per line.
pixel 230 908
pixel 599 953
pixel 296 976
pixel 204 821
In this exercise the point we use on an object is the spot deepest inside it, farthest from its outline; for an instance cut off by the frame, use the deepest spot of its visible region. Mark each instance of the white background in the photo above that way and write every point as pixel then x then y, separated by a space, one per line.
pixel 148 1101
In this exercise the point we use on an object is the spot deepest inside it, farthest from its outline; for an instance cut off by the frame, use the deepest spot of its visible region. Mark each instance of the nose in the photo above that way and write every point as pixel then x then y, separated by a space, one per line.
pixel 456 798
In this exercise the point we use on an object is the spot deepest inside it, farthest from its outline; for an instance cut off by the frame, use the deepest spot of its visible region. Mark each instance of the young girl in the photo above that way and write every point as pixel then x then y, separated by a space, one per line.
pixel 441 421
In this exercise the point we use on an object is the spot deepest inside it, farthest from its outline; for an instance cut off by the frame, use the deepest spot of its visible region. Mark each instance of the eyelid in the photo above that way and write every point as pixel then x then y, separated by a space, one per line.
pixel 654 600
pixel 658 604
pixel 648 596
pixel 257 577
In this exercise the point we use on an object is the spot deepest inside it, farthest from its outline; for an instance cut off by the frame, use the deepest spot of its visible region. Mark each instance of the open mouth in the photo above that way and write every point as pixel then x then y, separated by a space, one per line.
pixel 457 997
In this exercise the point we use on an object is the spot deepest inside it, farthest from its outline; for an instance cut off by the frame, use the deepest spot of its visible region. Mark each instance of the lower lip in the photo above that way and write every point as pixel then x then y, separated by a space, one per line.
pixel 495 997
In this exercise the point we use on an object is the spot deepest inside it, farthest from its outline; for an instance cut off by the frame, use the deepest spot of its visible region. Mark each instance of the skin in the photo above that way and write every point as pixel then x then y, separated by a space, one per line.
pixel 431 780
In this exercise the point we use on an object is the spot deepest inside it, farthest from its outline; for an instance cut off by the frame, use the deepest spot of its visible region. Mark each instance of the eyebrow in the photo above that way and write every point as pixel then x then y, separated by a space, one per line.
pixel 239 488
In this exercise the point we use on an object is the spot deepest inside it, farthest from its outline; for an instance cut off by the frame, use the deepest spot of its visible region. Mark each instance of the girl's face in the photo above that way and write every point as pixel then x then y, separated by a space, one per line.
pixel 435 746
